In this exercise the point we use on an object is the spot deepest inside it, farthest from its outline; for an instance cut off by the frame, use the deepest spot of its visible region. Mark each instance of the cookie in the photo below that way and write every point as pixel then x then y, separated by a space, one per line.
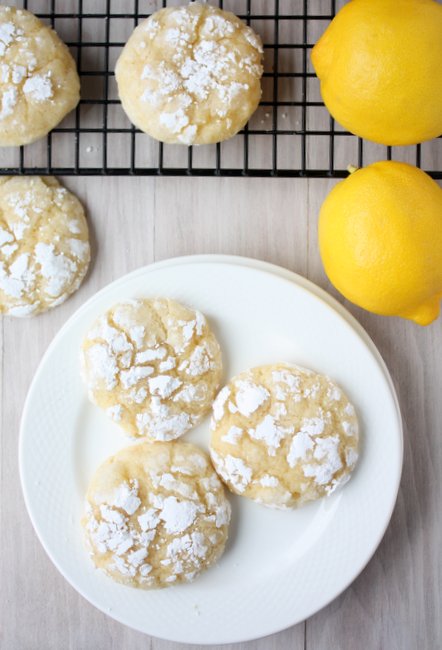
pixel 154 365
pixel 156 515
pixel 190 74
pixel 39 83
pixel 44 245
pixel 283 435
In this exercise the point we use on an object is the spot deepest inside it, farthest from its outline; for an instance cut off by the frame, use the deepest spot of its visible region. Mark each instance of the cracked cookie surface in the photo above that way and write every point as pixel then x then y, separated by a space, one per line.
pixel 156 515
pixel 39 83
pixel 44 244
pixel 154 365
pixel 191 74
pixel 283 435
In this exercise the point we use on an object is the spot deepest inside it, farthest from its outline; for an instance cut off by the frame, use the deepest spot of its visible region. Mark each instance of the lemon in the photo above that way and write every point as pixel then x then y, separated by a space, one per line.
pixel 380 239
pixel 380 67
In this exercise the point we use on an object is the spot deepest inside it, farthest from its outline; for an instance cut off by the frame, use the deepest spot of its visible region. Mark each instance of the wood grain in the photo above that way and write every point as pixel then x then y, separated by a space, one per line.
pixel 395 603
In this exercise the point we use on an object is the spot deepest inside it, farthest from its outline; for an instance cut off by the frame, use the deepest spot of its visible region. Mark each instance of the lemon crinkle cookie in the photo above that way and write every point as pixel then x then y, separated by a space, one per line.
pixel 156 515
pixel 39 83
pixel 283 435
pixel 154 365
pixel 44 244
pixel 191 74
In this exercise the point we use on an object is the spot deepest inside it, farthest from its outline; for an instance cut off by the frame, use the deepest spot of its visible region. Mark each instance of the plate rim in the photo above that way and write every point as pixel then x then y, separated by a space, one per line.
pixel 274 270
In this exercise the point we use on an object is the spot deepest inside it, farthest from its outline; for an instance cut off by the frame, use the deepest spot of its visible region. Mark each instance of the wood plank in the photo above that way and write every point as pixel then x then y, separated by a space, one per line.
pixel 395 603
pixel 236 217
pixel 261 218
pixel 31 587
pixel 160 226
pixel 396 600
pixel 291 639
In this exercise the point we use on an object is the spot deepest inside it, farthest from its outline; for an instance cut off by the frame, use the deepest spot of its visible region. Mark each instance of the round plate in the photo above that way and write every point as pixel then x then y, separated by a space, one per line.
pixel 279 567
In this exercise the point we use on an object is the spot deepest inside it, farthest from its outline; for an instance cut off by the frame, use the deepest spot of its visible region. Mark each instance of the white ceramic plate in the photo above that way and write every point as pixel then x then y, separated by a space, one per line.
pixel 279 567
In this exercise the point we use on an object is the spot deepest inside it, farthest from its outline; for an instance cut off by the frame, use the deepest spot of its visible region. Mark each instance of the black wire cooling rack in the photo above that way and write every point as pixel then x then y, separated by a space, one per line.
pixel 290 135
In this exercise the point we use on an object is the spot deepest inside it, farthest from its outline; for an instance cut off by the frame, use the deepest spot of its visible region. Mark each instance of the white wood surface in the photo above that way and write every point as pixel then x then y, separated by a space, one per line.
pixel 395 604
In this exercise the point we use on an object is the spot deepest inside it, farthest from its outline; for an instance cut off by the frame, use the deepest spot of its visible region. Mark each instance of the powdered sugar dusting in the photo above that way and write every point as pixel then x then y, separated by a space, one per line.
pixel 161 423
pixel 19 75
pixel 350 428
pixel 327 451
pixel 250 396
pixel 134 375
pixel 203 51
pixel 38 87
pixel 218 404
pixel 269 481
pixel 164 385
pixel 351 457
pixel 18 279
pixel 177 515
pixel 287 385
pixel 298 418
pixel 159 538
pixel 233 434
pixel 115 412
pixel 164 374
pixel 233 470
pixel 301 444
pixel 151 354
pixel 57 269
pixel 39 83
pixel 126 498
pixel 8 101
pixel 103 366
pixel 269 432
pixel 41 263
pixel 7 33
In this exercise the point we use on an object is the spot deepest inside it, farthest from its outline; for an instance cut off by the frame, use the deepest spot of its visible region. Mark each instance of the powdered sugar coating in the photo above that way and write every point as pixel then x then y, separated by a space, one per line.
pixel 39 83
pixel 156 514
pixel 283 435
pixel 154 365
pixel 191 74
pixel 41 261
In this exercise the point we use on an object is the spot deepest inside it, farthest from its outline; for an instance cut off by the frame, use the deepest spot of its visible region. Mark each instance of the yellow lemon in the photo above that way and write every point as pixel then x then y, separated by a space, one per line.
pixel 380 67
pixel 380 238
